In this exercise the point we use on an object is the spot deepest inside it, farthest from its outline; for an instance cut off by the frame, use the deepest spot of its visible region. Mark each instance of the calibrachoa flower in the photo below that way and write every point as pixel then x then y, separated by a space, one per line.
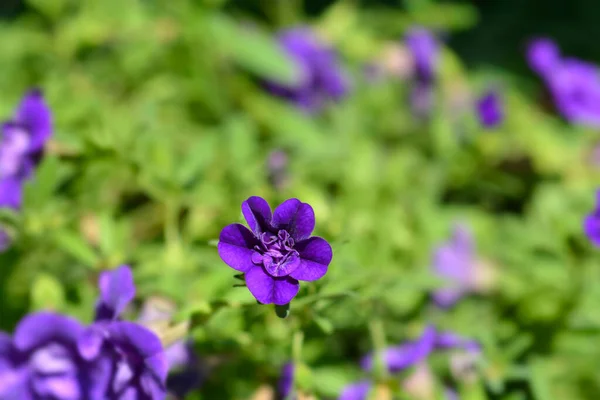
pixel 574 84
pixel 277 251
pixel 42 361
pixel 286 382
pixel 21 146
pixel 135 354
pixel 490 109
pixel 320 75
pixel 425 51
pixel 591 223
pixel 455 261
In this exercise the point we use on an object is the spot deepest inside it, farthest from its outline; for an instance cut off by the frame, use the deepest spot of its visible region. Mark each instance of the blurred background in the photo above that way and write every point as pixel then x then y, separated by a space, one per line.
pixel 431 150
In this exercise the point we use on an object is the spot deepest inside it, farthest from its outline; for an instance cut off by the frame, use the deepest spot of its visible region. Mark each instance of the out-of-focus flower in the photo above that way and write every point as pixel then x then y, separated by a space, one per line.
pixel 421 99
pixel 277 167
pixel 574 84
pixel 425 51
pixel 591 223
pixel 320 75
pixel 450 394
pixel 420 384
pixel 21 145
pixel 285 385
pixel 42 361
pixel 455 262
pixel 397 358
pixel 186 370
pixel 356 391
pixel 138 364
pixel 490 109
pixel 278 251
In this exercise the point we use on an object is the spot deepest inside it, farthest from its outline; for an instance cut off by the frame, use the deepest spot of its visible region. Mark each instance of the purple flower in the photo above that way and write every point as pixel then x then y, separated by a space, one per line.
pixel 406 355
pixel 490 109
pixel 320 76
pixel 455 261
pixel 425 51
pixel 278 251
pixel 356 391
pixel 591 223
pixel 285 385
pixel 138 364
pixel 574 84
pixel 21 144
pixel 42 361
pixel 543 56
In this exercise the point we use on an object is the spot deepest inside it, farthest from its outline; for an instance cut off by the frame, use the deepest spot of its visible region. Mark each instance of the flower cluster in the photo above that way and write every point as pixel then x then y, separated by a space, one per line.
pixel 411 354
pixel 320 76
pixel 52 356
pixel 574 84
pixel 277 251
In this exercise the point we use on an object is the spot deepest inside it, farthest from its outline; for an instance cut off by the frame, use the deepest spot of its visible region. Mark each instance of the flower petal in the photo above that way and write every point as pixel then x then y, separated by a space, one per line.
pixel 292 263
pixel 356 391
pixel 147 345
pixel 316 254
pixel 269 290
pixel 295 217
pixel 34 114
pixel 11 193
pixel 257 213
pixel 235 247
pixel 42 327
pixel 116 292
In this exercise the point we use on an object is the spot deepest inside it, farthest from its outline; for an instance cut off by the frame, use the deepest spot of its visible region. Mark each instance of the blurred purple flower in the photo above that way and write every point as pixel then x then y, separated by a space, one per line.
pixel 21 145
pixel 490 109
pixel 397 358
pixel 591 223
pixel 138 364
pixel 285 385
pixel 422 99
pixel 42 361
pixel 450 340
pixel 320 75
pixel 455 261
pixel 450 394
pixel 574 84
pixel 278 251
pixel 356 391
pixel 425 51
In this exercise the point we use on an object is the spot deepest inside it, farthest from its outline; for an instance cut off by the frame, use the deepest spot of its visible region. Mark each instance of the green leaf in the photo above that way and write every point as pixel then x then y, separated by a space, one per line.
pixel 77 247
pixel 253 50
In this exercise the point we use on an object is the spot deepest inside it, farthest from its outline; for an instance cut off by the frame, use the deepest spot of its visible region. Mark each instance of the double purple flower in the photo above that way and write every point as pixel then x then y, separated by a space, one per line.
pixel 277 251
pixel 22 142
pixel 52 356
pixel 320 76
pixel 574 84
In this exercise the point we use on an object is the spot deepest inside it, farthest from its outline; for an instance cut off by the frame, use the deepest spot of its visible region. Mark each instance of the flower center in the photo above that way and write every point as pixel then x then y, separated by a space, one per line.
pixel 276 253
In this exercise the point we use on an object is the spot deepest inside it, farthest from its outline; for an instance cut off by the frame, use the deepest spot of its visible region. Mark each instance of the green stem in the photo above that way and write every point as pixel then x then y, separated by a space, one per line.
pixel 378 338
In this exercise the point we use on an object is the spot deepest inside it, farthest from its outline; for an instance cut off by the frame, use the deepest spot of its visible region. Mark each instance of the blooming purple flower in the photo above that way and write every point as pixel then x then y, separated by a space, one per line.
pixel 356 391
pixel 455 261
pixel 138 364
pixel 320 76
pixel 490 109
pixel 285 385
pixel 591 223
pixel 42 361
pixel 21 144
pixel 425 51
pixel 574 84
pixel 278 251
pixel 397 358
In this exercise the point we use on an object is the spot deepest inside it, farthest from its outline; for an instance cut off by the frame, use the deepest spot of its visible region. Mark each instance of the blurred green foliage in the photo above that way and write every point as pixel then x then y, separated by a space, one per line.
pixel 163 129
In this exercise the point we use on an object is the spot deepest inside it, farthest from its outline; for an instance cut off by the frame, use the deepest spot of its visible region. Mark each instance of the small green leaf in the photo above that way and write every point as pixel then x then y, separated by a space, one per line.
pixel 77 247
pixel 47 293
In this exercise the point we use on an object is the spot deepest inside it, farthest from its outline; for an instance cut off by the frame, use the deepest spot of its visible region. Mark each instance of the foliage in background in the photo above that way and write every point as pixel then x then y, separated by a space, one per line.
pixel 163 127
